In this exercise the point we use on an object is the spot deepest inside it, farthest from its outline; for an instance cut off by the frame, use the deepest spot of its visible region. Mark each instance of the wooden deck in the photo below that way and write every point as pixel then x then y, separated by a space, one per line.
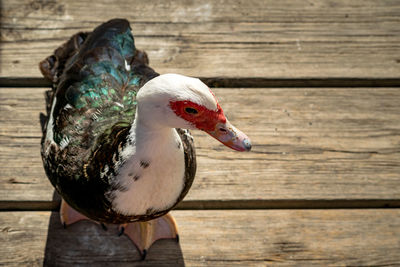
pixel 315 84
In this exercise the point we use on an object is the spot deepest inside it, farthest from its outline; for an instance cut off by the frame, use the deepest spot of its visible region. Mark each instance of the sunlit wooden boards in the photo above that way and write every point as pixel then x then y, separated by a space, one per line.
pixel 212 238
pixel 308 144
pixel 269 39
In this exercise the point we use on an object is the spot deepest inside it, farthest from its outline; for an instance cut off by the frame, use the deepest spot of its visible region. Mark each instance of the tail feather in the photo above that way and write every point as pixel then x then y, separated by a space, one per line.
pixel 53 66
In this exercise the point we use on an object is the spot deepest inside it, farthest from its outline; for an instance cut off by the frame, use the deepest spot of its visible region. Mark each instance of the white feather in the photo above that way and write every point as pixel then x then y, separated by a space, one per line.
pixel 127 67
pixel 49 130
pixel 64 142
pixel 157 186
pixel 167 86
pixel 67 106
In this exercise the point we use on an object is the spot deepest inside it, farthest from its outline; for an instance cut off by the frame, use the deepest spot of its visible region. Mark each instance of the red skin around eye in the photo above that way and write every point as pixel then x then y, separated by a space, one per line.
pixel 204 120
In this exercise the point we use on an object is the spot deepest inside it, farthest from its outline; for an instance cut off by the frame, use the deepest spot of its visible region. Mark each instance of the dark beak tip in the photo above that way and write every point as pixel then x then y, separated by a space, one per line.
pixel 247 144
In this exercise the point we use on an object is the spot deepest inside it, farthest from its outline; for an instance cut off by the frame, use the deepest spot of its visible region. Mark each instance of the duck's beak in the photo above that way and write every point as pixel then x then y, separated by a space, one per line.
pixel 230 136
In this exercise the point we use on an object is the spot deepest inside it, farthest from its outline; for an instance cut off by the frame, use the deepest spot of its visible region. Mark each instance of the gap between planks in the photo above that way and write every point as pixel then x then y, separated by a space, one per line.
pixel 229 82
pixel 232 204
pixel 211 238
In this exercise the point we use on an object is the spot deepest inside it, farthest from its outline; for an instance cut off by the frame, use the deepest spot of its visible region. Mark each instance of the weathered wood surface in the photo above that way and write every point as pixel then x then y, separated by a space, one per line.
pixel 308 144
pixel 212 238
pixel 275 39
pixel 312 147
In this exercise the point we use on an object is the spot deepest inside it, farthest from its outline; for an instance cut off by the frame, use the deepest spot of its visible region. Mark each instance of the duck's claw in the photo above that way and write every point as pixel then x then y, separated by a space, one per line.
pixel 144 234
pixel 144 254
pixel 103 226
pixel 121 230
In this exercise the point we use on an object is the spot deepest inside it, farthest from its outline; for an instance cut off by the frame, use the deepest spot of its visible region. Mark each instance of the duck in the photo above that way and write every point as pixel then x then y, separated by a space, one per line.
pixel 116 142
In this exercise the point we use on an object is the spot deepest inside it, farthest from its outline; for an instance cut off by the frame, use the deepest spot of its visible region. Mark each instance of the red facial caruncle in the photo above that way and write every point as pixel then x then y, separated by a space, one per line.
pixel 213 122
pixel 198 115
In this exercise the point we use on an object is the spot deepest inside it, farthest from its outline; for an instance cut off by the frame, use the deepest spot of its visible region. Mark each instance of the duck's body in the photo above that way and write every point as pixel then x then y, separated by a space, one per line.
pixel 116 153
pixel 93 154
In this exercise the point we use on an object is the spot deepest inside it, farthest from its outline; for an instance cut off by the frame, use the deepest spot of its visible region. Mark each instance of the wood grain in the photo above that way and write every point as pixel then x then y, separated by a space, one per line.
pixel 274 39
pixel 212 238
pixel 308 144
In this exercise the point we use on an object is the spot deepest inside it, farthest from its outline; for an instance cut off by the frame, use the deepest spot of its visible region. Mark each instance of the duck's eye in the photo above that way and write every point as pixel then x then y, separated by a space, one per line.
pixel 191 111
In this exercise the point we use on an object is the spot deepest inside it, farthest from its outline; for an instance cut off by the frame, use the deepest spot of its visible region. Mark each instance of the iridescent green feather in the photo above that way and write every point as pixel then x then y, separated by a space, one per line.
pixel 105 94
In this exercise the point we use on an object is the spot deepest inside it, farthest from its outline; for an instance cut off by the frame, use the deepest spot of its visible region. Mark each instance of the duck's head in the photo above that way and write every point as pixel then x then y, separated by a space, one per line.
pixel 177 101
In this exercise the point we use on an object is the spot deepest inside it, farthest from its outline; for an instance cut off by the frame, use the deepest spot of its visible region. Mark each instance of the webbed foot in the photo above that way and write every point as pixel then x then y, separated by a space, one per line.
pixel 144 234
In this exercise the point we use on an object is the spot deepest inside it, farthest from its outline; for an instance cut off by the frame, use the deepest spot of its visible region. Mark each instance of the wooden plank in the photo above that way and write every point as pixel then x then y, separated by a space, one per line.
pixel 308 144
pixel 274 39
pixel 212 238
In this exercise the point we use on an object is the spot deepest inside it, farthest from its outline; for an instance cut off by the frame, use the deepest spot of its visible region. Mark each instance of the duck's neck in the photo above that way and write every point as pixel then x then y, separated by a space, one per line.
pixel 153 173
pixel 150 137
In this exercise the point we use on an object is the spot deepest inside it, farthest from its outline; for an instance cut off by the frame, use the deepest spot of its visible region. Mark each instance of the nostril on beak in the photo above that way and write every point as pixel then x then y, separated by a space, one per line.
pixel 222 130
pixel 247 144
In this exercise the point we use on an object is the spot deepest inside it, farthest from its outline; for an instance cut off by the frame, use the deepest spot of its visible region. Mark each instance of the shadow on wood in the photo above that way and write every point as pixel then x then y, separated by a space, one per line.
pixel 1 37
pixel 86 243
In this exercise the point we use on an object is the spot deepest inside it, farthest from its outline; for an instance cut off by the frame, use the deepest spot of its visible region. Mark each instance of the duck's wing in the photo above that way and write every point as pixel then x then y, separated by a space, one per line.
pixel 190 161
pixel 96 76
